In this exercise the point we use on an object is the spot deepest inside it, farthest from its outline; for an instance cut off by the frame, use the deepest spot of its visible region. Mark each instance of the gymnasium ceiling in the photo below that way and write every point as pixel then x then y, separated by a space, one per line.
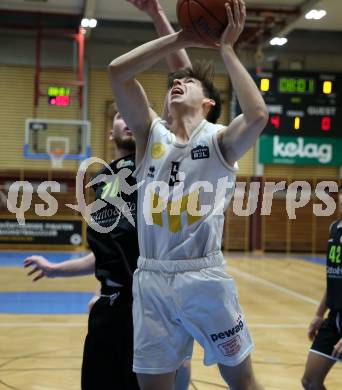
pixel 266 18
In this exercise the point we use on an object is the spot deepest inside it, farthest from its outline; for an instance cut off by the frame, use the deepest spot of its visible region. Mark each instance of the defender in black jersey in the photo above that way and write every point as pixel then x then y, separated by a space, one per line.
pixel 327 333
pixel 108 349
pixel 107 358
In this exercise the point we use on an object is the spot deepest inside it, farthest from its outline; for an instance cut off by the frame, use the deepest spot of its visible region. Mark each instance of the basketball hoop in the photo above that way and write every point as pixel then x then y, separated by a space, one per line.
pixel 57 148
pixel 57 157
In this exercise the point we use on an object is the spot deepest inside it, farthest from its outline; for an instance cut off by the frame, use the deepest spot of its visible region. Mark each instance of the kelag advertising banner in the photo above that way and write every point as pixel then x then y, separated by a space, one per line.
pixel 53 232
pixel 300 150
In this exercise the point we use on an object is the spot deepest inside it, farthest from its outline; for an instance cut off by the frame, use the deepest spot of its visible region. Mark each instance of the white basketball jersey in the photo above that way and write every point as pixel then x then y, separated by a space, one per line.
pixel 184 192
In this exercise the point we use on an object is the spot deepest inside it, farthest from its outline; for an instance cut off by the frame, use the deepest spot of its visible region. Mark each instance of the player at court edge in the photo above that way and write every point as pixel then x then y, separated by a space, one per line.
pixel 181 291
pixel 108 350
pixel 326 333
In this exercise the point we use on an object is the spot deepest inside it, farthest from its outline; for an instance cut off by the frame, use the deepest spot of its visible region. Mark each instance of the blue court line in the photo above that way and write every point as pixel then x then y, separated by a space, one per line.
pixel 15 259
pixel 28 302
pixel 314 259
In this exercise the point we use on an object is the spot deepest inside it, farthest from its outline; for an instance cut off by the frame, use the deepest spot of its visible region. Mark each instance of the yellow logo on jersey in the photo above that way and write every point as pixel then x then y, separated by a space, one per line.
pixel 111 190
pixel 188 203
pixel 158 150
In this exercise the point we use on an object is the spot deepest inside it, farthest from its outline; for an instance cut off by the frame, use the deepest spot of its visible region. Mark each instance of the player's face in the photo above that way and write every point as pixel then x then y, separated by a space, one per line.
pixel 187 93
pixel 121 134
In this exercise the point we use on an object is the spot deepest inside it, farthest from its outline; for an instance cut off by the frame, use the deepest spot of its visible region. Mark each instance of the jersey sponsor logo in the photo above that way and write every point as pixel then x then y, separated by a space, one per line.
pixel 231 347
pixel 124 187
pixel 108 215
pixel 111 189
pixel 124 164
pixel 226 334
pixel 334 272
pixel 175 209
pixel 158 150
pixel 200 152
pixel 174 173
pixel 151 171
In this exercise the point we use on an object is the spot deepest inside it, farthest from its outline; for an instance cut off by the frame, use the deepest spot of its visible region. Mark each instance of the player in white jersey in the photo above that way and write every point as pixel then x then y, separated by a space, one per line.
pixel 181 291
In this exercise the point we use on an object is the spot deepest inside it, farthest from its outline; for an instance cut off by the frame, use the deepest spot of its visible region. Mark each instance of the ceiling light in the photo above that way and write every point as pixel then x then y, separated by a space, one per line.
pixel 89 23
pixel 85 22
pixel 315 14
pixel 92 23
pixel 278 41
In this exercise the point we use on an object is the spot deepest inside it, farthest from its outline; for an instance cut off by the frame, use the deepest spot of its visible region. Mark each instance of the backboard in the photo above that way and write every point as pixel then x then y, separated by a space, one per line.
pixel 49 138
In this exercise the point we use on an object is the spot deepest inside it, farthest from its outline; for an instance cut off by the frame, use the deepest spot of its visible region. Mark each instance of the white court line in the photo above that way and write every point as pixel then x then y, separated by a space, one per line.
pixel 275 286
pixel 82 325
pixel 277 326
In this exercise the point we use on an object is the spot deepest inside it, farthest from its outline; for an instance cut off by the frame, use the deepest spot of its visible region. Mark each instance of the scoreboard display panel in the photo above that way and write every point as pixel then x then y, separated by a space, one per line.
pixel 301 103
pixel 58 96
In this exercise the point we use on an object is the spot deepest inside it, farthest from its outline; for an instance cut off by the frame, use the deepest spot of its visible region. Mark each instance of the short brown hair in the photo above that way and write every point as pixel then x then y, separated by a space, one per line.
pixel 204 72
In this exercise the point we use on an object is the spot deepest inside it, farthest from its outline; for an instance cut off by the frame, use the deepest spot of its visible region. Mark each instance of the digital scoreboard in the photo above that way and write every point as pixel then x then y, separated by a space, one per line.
pixel 58 96
pixel 301 103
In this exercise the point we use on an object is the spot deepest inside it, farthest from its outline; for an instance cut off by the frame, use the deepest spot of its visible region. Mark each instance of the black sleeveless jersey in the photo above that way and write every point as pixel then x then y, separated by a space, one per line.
pixel 334 267
pixel 116 252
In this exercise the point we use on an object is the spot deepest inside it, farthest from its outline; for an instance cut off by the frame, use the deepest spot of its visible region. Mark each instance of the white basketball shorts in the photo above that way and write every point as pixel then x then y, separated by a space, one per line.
pixel 178 301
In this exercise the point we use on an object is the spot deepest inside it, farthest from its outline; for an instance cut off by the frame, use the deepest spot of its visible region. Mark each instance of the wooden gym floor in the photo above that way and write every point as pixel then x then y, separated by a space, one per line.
pixel 279 295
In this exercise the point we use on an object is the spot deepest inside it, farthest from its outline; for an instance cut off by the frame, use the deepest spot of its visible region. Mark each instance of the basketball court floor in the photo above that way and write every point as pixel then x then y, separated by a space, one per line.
pixel 43 324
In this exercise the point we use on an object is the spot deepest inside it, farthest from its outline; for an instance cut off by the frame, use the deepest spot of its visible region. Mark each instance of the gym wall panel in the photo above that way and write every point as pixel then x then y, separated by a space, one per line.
pixel 155 85
pixel 17 104
pixel 247 163
pixel 100 95
pixel 222 84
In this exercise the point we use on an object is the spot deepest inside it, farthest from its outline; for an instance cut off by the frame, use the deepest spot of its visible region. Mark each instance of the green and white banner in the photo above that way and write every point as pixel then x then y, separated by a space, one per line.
pixel 300 150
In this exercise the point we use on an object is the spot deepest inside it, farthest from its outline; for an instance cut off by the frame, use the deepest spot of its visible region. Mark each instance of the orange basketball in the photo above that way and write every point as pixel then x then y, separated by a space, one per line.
pixel 207 18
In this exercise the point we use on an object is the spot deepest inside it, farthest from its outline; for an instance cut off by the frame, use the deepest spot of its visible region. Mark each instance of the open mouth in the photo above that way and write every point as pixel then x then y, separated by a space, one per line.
pixel 127 131
pixel 176 91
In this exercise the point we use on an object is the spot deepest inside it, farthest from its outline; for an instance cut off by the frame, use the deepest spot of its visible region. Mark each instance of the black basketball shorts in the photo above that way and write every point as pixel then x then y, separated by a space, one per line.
pixel 108 348
pixel 328 335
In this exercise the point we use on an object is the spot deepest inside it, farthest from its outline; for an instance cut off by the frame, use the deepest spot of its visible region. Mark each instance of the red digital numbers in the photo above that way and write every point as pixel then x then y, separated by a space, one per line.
pixel 326 123
pixel 275 121
pixel 59 100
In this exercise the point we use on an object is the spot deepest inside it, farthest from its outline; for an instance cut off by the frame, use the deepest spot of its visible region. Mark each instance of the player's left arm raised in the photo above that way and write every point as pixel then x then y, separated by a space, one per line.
pixel 177 59
pixel 244 130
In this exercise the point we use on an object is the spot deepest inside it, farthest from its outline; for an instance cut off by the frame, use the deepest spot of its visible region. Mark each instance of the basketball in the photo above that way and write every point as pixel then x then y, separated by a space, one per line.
pixel 207 18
